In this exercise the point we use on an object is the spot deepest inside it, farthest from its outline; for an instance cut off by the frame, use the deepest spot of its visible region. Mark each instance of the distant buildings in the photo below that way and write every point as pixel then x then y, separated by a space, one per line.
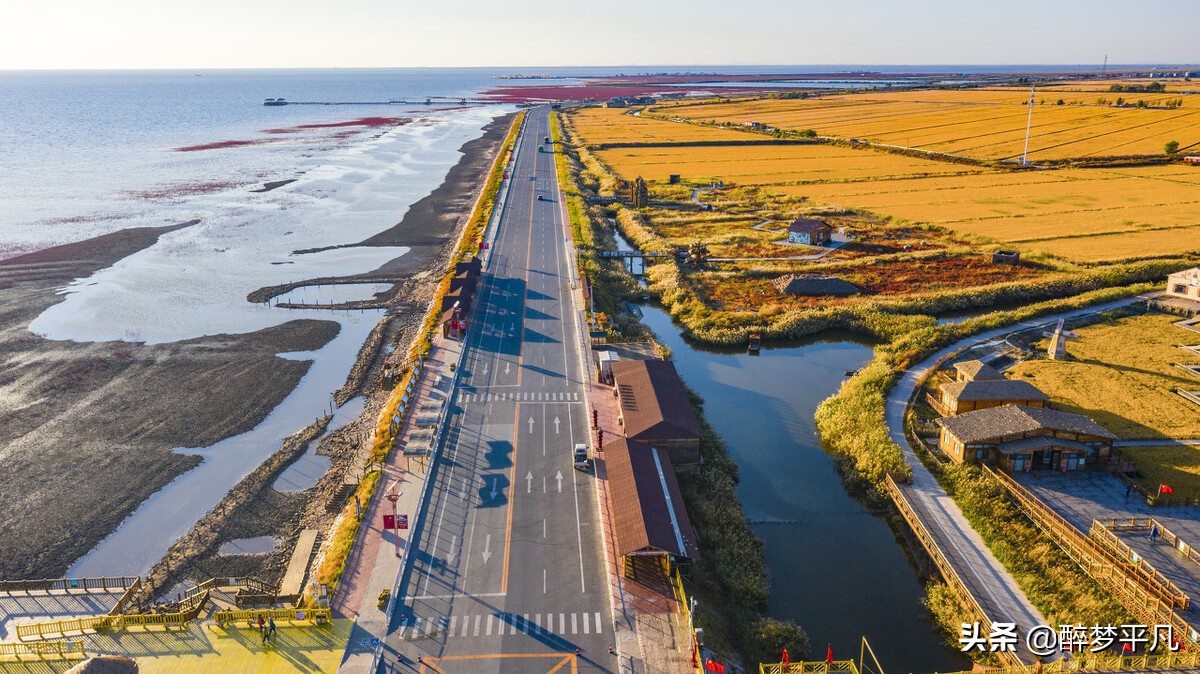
pixel 809 231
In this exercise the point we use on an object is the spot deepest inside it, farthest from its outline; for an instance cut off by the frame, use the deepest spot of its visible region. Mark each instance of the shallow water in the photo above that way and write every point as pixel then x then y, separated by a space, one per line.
pixel 836 568
pixel 141 540
pixel 332 293
pixel 305 471
pixel 259 545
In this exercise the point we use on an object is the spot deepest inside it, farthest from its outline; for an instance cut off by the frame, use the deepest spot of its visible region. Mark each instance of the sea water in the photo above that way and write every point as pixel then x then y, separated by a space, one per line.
pixel 84 154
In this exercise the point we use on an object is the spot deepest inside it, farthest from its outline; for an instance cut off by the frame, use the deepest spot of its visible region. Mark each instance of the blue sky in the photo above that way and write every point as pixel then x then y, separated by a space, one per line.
pixel 400 33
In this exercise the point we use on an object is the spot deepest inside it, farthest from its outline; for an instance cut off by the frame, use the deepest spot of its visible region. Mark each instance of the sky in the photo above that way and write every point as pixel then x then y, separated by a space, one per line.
pixel 81 34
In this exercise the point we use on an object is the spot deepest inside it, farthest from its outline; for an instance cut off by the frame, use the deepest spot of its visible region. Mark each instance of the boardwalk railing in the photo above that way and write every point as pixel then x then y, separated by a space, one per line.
pixel 820 667
pixel 104 584
pixel 39 630
pixel 1121 550
pixel 42 649
pixel 1148 601
pixel 1169 536
pixel 319 616
pixel 935 553
pixel 1099 662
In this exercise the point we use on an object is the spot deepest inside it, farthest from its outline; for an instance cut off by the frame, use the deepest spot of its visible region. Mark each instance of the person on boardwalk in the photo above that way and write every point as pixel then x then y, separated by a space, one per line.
pixel 1153 533
pixel 262 628
pixel 271 629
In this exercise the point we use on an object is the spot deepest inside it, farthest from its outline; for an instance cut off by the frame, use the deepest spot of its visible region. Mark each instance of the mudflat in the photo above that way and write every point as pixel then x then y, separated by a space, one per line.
pixel 89 427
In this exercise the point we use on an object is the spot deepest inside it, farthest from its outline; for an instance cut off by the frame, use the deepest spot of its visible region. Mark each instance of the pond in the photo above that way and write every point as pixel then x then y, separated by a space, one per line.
pixel 836 568
pixel 332 293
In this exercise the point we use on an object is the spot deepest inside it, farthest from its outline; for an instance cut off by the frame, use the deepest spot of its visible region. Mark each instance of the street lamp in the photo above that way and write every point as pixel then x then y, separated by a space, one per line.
pixel 393 496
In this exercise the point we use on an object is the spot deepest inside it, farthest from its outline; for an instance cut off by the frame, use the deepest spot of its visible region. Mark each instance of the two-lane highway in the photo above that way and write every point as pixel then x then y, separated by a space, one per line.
pixel 508 572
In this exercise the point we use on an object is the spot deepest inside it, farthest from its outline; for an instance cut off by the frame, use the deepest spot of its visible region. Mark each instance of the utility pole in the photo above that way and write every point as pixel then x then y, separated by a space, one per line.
pixel 1104 68
pixel 1028 128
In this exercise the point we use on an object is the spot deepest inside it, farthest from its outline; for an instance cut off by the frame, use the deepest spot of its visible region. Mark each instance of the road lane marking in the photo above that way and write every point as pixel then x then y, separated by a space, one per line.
pixel 475 632
pixel 543 581
pixel 525 624
pixel 562 623
pixel 512 474
pixel 586 627
pixel 453 622
pixel 597 622
pixel 574 623
pixel 488 631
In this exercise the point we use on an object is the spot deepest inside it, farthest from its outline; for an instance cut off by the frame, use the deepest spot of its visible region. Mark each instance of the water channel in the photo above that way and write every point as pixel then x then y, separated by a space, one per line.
pixel 836 568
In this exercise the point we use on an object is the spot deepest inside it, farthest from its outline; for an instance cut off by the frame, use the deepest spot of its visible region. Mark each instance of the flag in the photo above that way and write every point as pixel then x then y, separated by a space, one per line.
pixel 1165 489
pixel 829 654
pixel 711 665
pixel 786 659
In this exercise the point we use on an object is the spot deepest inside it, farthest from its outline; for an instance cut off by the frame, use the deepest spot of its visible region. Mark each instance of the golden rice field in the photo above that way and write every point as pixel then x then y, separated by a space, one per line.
pixel 1081 214
pixel 1012 95
pixel 771 164
pixel 613 125
pixel 953 122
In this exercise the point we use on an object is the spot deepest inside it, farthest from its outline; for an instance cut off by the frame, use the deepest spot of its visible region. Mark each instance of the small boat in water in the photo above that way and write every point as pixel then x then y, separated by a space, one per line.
pixel 755 342
pixel 274 101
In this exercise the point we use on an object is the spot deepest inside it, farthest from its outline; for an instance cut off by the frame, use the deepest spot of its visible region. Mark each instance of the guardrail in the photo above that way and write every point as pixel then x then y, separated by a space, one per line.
pixel 104 584
pixel 1167 535
pixel 1150 603
pixel 319 616
pixel 39 630
pixel 1121 550
pixel 1095 662
pixel 43 649
pixel 822 667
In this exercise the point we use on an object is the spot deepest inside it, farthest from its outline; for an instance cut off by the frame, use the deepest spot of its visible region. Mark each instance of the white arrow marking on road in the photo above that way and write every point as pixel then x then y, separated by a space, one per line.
pixel 506 367
pixel 531 424
pixel 556 424
pixel 453 545
pixel 485 369
pixel 495 481
pixel 529 482
pixel 463 492
pixel 558 478
pixel 487 549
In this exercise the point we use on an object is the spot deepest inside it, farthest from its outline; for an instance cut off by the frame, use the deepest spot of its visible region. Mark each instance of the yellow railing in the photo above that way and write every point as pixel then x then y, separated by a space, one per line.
pixel 820 667
pixel 43 649
pixel 1098 662
pixel 39 630
pixel 318 616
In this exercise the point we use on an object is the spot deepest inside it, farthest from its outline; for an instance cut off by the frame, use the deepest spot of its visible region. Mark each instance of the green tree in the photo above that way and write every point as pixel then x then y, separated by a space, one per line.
pixel 771 636
pixel 1171 147
pixel 1061 102
pixel 808 133
pixel 1141 103
pixel 1120 101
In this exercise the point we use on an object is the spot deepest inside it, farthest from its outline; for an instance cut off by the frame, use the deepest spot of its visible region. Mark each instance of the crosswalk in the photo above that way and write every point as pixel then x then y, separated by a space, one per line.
pixel 518 396
pixel 501 624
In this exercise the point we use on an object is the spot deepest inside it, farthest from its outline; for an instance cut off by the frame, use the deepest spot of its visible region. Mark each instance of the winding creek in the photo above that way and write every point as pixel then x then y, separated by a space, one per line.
pixel 836 568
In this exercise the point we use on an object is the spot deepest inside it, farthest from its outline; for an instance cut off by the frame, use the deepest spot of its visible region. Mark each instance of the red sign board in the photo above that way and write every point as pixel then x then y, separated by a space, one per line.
pixel 401 521
pixel 484 246
pixel 395 521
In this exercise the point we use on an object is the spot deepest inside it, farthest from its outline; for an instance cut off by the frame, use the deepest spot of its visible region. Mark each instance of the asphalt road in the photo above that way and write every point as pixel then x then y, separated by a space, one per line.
pixel 508 573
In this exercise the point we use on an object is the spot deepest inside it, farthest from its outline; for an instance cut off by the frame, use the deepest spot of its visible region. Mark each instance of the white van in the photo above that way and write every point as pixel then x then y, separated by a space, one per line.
pixel 581 459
